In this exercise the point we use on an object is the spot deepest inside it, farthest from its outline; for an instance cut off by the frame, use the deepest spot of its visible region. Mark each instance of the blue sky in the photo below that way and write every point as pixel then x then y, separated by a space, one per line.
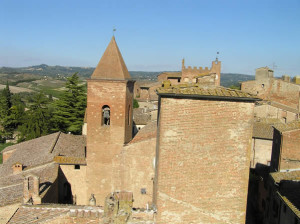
pixel 153 35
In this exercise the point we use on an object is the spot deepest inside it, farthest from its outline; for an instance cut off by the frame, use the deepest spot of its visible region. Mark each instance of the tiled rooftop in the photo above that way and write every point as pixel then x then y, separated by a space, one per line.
pixel 289 188
pixel 291 126
pixel 43 213
pixel 11 186
pixel 199 90
pixel 147 132
pixel 264 129
pixel 140 117
pixel 291 175
pixel 37 157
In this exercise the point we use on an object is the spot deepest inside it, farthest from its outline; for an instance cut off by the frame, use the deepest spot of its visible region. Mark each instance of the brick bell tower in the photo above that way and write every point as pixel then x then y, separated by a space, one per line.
pixel 109 123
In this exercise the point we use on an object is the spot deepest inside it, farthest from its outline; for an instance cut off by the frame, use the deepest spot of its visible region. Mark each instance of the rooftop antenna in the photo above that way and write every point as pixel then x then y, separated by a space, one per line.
pixel 217 59
pixel 114 30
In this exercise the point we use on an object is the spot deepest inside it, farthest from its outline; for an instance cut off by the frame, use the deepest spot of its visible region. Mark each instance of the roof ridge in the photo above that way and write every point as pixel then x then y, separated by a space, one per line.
pixel 54 143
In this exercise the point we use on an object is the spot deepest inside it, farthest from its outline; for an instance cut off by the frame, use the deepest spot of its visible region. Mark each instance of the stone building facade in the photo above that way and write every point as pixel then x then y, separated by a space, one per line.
pixel 209 77
pixel 284 93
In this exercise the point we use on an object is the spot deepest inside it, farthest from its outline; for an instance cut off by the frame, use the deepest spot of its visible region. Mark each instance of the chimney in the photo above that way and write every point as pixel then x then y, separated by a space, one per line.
pixel 17 167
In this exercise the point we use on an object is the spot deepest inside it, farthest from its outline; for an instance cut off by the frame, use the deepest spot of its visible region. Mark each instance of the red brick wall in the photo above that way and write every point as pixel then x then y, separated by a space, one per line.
pixel 203 161
pixel 290 152
pixel 104 143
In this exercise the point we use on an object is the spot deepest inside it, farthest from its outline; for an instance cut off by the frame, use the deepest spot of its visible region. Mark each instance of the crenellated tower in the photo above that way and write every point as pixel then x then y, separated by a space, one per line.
pixel 195 74
pixel 109 122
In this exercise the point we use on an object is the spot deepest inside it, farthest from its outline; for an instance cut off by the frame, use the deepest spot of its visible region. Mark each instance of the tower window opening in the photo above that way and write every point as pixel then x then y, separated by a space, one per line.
pixel 105 115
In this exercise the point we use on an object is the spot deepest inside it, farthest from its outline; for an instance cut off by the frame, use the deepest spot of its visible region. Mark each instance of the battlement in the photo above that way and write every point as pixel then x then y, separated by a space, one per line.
pixel 189 72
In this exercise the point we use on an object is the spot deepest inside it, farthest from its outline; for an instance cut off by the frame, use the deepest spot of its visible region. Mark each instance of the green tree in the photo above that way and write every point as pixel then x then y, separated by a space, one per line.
pixel 7 128
pixel 135 103
pixel 70 108
pixel 5 102
pixel 37 119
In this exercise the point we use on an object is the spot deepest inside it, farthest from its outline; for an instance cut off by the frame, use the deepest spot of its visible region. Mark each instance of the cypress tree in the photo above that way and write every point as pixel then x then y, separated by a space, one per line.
pixel 69 109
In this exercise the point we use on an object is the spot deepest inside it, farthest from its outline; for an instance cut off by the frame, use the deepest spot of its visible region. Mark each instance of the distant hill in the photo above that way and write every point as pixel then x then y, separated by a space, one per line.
pixel 229 79
pixel 65 71
pixel 16 76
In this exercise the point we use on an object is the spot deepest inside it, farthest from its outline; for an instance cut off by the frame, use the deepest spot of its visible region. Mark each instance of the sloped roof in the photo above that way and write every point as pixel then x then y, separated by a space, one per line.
pixel 37 157
pixel 291 175
pixel 50 212
pixel 42 150
pixel 291 126
pixel 111 64
pixel 198 91
pixel 264 128
pixel 11 186
pixel 288 188
pixel 139 117
pixel 147 132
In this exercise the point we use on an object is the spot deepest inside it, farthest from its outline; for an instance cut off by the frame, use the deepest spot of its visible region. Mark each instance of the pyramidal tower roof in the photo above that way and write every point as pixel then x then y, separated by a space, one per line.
pixel 111 65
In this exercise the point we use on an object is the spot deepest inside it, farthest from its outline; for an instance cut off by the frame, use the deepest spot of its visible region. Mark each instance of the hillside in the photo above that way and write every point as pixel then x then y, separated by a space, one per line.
pixel 229 79
pixel 51 78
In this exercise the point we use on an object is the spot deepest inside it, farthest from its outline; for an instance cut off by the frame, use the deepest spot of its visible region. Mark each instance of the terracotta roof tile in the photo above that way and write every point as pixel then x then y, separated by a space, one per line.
pixel 291 126
pixel 263 129
pixel 141 118
pixel 199 90
pixel 37 157
pixel 11 186
pixel 111 64
pixel 47 212
pixel 147 132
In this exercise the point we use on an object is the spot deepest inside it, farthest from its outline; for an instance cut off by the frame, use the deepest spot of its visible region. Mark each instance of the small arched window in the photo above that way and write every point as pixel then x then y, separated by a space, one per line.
pixel 105 115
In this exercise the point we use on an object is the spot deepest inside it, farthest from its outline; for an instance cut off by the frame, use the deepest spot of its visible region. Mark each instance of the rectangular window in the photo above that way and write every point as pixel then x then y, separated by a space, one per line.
pixel 77 167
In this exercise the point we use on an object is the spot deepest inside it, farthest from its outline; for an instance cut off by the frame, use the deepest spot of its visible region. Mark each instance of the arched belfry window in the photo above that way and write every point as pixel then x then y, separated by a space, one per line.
pixel 105 115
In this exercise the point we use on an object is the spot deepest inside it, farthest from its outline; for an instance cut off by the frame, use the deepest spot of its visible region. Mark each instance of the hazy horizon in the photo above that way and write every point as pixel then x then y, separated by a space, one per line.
pixel 153 35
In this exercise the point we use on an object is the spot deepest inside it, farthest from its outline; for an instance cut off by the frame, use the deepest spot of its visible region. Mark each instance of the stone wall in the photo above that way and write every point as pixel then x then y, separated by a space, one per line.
pixel 138 162
pixel 77 180
pixel 203 161
pixel 274 90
